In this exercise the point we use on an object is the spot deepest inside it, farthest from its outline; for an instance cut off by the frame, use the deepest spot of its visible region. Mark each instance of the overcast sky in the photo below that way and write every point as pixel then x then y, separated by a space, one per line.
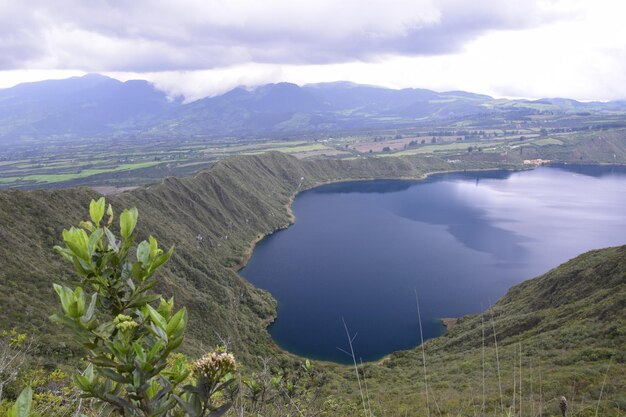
pixel 195 48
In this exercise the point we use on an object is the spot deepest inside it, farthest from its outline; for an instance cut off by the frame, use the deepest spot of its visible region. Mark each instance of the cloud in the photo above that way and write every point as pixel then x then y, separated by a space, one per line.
pixel 197 48
pixel 197 84
pixel 162 35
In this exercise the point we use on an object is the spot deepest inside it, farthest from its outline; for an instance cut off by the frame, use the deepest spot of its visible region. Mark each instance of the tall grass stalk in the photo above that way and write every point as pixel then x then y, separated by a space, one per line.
pixel 520 380
pixel 540 383
pixel 482 321
pixel 495 339
pixel 241 397
pixel 532 397
pixel 436 403
pixel 419 319
pixel 356 368
pixel 514 378
pixel 367 394
pixel 606 374
pixel 472 404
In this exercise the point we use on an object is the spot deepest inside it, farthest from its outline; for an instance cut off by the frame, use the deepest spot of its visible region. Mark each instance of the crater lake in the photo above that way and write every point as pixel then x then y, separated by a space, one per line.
pixel 359 252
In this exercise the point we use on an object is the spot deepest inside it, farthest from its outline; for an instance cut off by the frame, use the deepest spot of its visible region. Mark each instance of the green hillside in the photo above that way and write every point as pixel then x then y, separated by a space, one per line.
pixel 212 218
pixel 569 323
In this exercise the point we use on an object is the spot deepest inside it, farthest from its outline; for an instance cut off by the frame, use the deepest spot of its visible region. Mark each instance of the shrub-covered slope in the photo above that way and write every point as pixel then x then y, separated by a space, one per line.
pixel 567 330
pixel 212 218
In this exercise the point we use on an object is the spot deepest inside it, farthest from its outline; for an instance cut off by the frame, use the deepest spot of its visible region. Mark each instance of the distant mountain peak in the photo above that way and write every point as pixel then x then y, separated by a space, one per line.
pixel 94 75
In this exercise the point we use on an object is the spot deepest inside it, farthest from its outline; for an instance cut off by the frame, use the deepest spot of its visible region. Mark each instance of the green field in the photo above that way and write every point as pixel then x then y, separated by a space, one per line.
pixel 547 141
pixel 290 149
pixel 56 178
pixel 444 148
pixel 128 162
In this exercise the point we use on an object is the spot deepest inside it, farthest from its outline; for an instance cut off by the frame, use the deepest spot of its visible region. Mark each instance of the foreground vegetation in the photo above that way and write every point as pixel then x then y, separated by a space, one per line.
pixel 561 334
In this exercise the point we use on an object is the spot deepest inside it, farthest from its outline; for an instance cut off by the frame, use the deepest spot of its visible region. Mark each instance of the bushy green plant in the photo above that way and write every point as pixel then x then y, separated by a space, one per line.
pixel 128 331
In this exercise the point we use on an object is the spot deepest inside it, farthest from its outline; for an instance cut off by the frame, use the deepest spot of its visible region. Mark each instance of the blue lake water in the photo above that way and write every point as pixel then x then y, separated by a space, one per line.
pixel 360 250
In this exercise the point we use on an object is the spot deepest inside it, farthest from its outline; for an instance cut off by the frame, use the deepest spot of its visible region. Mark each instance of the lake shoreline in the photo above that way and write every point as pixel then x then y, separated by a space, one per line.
pixel 292 220
pixel 449 322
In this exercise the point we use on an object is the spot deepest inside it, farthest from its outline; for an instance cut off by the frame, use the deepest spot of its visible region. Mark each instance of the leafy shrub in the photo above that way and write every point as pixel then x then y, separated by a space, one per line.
pixel 129 332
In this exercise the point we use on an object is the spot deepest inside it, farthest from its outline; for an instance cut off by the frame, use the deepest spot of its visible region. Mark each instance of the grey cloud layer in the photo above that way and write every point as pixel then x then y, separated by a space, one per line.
pixel 142 35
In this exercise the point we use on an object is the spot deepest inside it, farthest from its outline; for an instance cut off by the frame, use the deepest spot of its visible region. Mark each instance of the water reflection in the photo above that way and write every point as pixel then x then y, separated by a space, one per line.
pixel 359 250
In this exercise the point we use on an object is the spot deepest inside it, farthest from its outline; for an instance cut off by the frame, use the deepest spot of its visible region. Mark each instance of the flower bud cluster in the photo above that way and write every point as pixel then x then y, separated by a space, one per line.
pixel 214 365
pixel 124 323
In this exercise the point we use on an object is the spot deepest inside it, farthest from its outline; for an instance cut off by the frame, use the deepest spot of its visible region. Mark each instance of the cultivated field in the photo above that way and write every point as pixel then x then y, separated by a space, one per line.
pixel 131 161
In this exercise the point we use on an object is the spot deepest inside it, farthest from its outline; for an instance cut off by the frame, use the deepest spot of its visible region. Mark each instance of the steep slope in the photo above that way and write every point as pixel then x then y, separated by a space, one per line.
pixel 563 328
pixel 211 218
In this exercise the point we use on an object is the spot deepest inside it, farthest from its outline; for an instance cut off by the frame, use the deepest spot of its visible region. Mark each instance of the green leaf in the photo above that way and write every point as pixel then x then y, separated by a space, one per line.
pixel 155 349
pixel 156 317
pixel 193 408
pixel 73 302
pixel 154 247
pixel 110 214
pixel 81 266
pixel 82 382
pixel 61 319
pixel 105 330
pixel 79 299
pixel 143 300
pixel 148 284
pixel 177 322
pixel 159 332
pixel 165 307
pixel 120 402
pixel 128 221
pixel 220 411
pixel 86 380
pixel 94 239
pixel 143 253
pixel 77 241
pixel 110 374
pixel 90 310
pixel 160 260
pixel 96 210
pixel 63 295
pixel 104 361
pixel 112 242
pixel 137 378
pixel 87 225
pixel 21 408
pixel 175 343
pixel 138 272
pixel 141 354
pixel 65 253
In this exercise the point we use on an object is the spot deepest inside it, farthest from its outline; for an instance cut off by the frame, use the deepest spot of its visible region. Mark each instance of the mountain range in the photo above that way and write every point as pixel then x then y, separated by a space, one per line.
pixel 96 105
